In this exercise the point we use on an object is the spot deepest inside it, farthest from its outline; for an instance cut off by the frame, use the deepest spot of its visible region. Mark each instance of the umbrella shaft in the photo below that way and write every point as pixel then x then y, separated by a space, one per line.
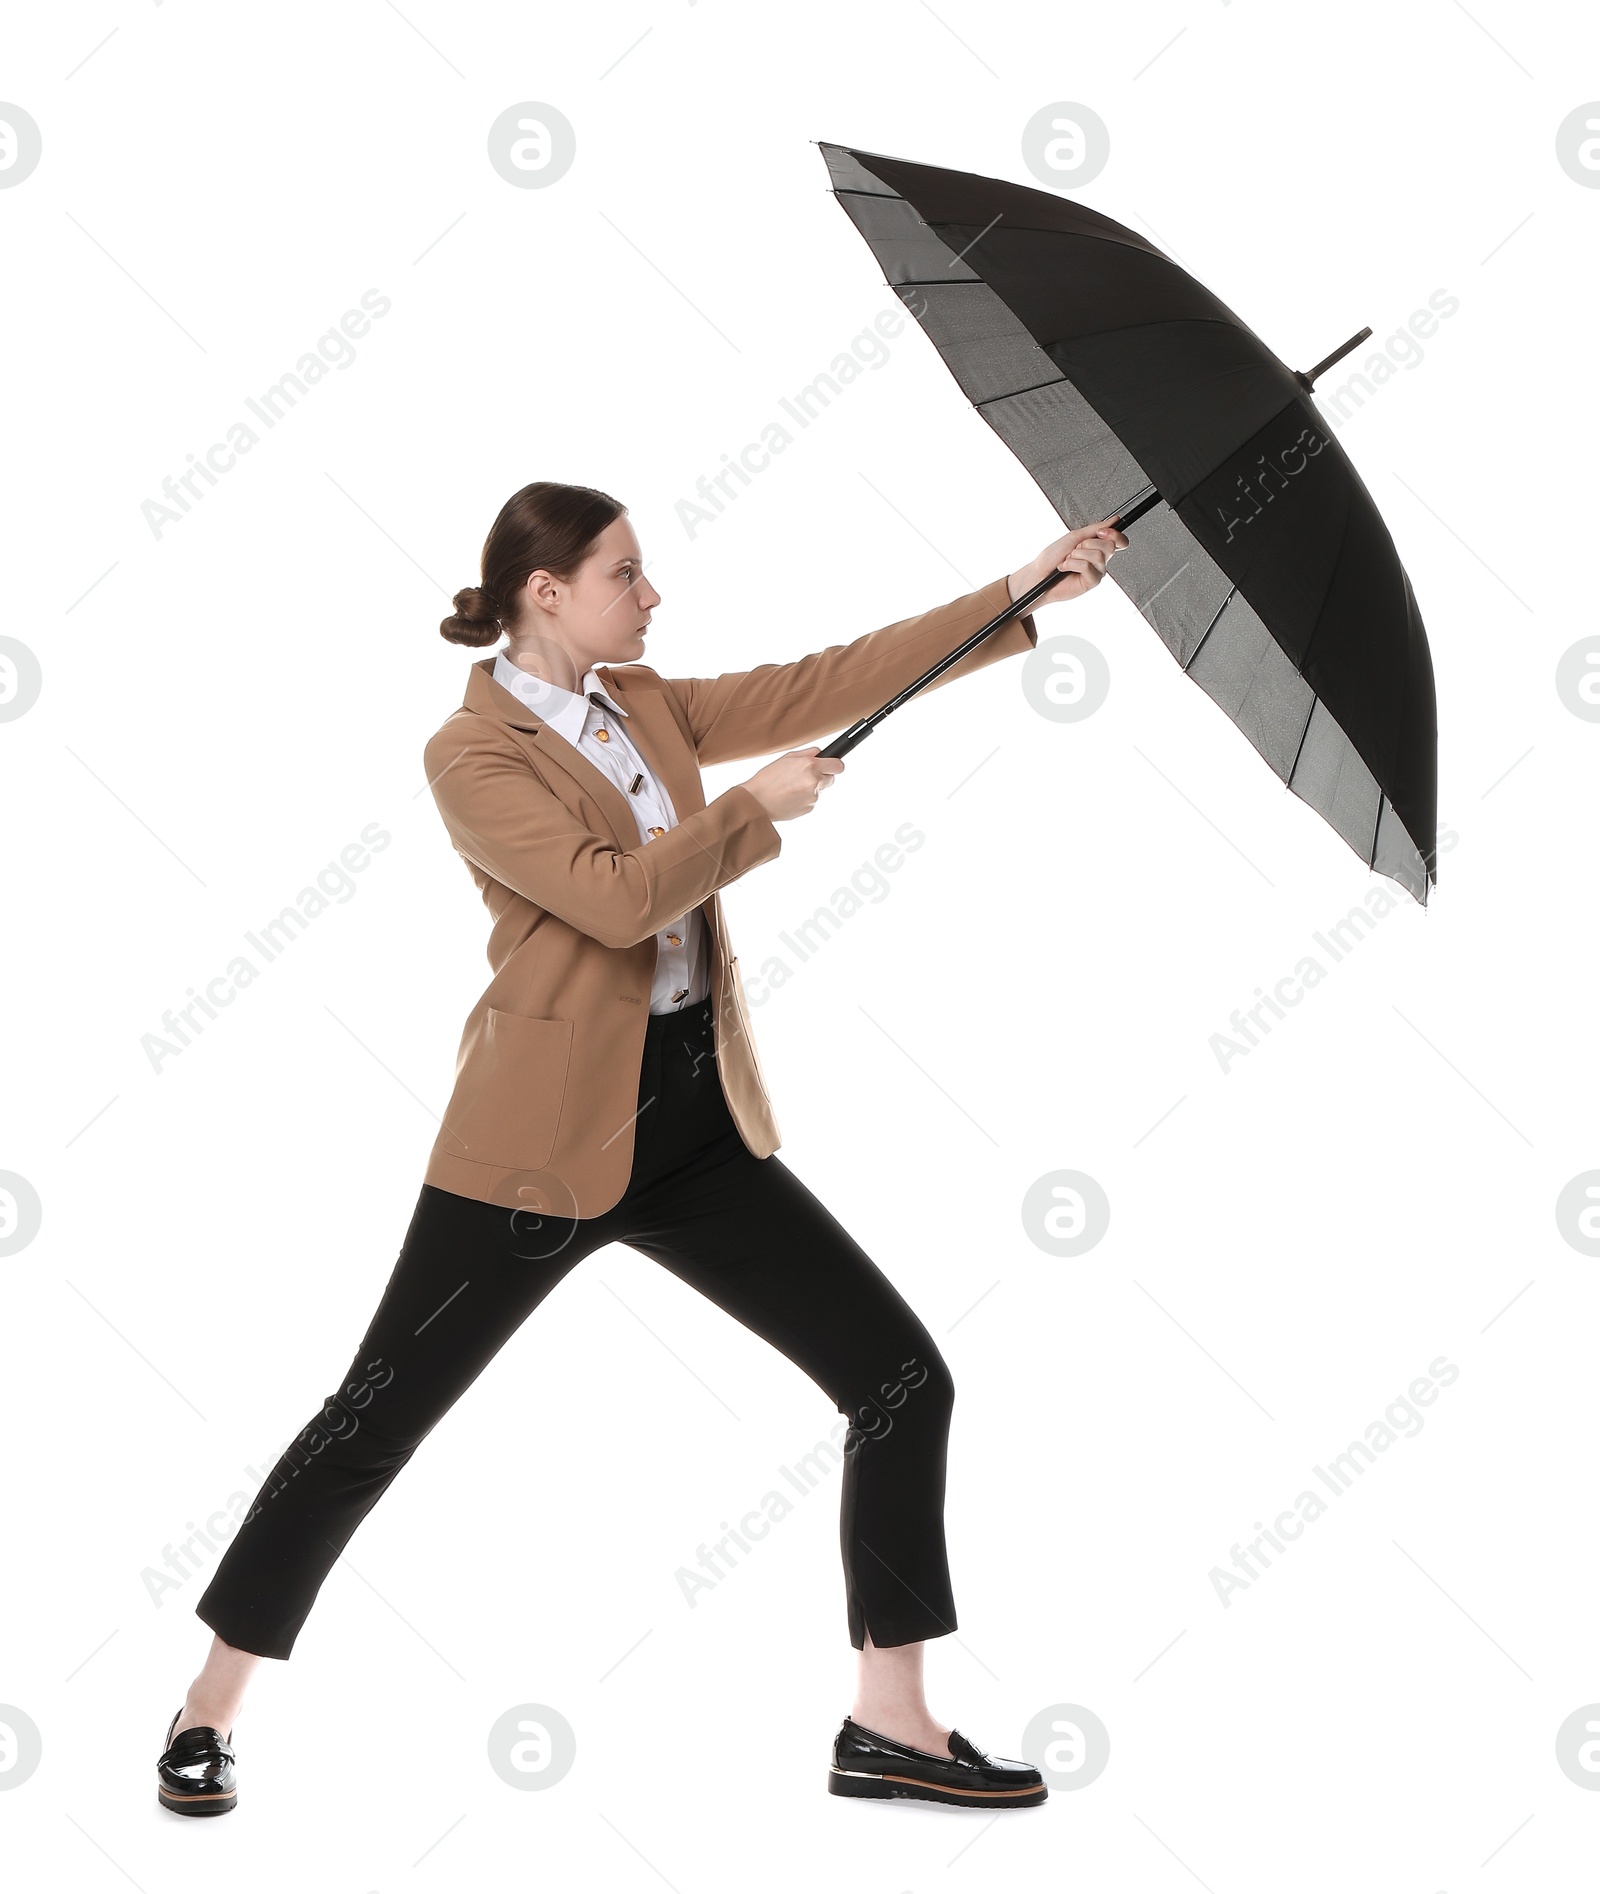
pixel 843 744
pixel 864 727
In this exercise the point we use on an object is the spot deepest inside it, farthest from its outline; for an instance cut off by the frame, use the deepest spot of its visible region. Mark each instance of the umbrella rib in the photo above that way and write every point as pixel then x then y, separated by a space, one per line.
pixel 1288 781
pixel 1344 536
pixel 1012 393
pixel 1210 628
pixel 1376 825
pixel 1225 321
pixel 1126 239
pixel 1159 322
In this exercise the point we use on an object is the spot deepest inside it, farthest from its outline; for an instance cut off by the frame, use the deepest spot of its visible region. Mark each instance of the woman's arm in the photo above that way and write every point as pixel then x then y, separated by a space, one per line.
pixel 781 706
pixel 509 823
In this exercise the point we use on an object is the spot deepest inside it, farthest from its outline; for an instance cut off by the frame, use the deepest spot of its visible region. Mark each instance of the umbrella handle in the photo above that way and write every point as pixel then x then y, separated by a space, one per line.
pixel 863 727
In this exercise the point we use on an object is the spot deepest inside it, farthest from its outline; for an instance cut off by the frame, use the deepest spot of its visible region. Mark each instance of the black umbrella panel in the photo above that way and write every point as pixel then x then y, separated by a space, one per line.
pixel 1127 389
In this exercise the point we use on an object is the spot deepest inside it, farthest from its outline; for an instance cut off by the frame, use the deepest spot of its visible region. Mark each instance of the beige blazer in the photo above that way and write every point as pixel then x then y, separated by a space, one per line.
pixel 547 1078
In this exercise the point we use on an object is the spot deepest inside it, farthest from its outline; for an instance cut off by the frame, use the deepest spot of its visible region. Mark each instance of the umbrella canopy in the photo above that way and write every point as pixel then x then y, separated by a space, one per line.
pixel 1126 388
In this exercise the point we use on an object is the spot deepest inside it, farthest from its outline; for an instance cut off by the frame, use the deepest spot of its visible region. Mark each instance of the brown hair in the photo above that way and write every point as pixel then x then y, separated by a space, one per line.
pixel 546 526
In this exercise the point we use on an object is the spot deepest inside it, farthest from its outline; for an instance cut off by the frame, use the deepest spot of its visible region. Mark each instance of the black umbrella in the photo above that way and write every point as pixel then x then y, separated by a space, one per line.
pixel 1128 390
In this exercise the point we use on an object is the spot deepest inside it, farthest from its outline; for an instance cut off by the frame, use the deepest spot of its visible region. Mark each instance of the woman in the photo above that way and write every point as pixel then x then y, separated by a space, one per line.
pixel 607 1090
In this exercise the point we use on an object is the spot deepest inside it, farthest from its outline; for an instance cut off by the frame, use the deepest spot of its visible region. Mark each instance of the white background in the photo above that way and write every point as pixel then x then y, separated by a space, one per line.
pixel 225 707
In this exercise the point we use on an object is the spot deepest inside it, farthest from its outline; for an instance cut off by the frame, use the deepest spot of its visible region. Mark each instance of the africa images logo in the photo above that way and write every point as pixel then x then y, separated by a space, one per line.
pixel 1282 467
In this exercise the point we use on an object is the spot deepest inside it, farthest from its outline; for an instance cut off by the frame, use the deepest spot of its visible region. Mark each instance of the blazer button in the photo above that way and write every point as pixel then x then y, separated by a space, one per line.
pixel 674 940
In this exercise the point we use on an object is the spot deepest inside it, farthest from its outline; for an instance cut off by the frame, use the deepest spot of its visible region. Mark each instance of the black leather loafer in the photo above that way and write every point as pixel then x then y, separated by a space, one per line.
pixel 195 1774
pixel 867 1764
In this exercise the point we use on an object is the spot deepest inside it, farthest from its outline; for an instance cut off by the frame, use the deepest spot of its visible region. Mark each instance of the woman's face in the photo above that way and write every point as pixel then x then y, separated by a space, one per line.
pixel 599 615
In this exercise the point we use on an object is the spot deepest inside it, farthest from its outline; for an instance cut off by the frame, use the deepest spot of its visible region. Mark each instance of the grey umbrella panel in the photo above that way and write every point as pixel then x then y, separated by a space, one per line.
pixel 1087 473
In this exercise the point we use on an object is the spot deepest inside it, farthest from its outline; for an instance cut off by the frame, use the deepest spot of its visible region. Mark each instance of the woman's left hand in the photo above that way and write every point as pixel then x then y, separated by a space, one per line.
pixel 1080 556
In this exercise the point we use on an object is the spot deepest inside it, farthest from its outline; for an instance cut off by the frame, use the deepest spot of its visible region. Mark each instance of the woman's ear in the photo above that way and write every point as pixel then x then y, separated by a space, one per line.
pixel 542 591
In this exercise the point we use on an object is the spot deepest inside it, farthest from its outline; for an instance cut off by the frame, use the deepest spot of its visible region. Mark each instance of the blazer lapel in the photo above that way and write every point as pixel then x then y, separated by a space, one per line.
pixel 655 733
pixel 651 728
pixel 490 699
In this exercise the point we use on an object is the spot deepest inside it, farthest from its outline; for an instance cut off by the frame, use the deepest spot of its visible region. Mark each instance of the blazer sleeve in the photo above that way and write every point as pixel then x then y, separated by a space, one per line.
pixel 785 706
pixel 506 821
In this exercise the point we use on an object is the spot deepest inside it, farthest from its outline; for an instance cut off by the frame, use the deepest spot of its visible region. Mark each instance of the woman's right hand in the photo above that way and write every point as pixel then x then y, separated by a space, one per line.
pixel 790 786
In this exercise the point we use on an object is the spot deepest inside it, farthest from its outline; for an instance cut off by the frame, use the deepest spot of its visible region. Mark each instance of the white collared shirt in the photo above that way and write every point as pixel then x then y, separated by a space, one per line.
pixel 683 963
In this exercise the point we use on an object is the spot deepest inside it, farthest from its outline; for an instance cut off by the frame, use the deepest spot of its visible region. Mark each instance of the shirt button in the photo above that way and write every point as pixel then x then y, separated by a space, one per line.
pixel 655 832
pixel 604 736
pixel 674 940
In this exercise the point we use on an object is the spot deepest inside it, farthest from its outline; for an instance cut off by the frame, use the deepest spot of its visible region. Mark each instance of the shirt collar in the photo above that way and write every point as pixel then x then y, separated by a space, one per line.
pixel 565 711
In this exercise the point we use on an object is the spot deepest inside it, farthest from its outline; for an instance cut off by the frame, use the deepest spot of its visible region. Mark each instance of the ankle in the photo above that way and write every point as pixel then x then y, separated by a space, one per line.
pixel 903 1722
pixel 201 1712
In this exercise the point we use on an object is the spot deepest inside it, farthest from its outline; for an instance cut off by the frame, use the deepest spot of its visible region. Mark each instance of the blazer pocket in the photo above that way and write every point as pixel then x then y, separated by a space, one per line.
pixel 508 1096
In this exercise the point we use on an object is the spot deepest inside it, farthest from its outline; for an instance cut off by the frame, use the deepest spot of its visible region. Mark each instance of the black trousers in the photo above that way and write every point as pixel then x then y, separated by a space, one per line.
pixel 742 1230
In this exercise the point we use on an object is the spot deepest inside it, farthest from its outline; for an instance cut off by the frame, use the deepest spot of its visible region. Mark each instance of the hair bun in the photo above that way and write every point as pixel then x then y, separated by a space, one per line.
pixel 476 619
pixel 547 526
